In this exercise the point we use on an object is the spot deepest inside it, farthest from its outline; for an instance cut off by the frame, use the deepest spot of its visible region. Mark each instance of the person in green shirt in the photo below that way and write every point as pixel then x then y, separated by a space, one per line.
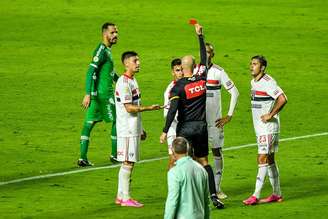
pixel 99 92
pixel 188 192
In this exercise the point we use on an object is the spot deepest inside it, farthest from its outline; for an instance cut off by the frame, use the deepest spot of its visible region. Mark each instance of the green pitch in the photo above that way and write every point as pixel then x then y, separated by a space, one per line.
pixel 46 47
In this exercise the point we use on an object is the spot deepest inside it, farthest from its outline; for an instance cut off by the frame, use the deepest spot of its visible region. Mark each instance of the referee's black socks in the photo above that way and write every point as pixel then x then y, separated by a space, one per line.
pixel 211 180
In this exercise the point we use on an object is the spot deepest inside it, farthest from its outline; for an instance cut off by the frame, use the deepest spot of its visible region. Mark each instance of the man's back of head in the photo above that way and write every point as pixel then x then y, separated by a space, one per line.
pixel 180 146
pixel 188 63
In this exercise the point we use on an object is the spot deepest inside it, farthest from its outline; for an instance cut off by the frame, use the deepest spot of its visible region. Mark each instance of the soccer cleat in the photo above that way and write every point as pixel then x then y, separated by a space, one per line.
pixel 217 203
pixel 84 163
pixel 271 198
pixel 221 195
pixel 118 201
pixel 131 203
pixel 113 159
pixel 251 200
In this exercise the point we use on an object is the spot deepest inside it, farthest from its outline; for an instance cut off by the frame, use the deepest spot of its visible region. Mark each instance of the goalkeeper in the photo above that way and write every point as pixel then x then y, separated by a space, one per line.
pixel 99 98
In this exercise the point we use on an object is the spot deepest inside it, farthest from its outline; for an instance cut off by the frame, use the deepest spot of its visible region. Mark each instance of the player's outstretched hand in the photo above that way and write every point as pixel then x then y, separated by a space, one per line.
pixel 163 137
pixel 143 135
pixel 198 29
pixel 155 107
pixel 221 122
pixel 86 102
pixel 266 117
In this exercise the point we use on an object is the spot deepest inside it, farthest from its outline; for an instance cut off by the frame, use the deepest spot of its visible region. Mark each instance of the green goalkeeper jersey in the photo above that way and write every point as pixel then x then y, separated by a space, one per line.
pixel 101 74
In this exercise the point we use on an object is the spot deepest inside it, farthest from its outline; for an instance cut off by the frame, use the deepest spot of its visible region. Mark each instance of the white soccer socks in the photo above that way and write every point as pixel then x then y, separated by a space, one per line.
pixel 273 173
pixel 218 166
pixel 124 182
pixel 262 171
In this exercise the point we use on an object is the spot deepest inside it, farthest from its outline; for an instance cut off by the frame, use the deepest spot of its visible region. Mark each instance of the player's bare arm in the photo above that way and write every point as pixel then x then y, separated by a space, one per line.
pixel 233 102
pixel 279 104
pixel 131 108
pixel 163 138
pixel 86 101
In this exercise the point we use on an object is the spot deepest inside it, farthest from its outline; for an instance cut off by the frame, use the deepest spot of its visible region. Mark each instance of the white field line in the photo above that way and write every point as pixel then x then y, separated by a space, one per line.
pixel 142 161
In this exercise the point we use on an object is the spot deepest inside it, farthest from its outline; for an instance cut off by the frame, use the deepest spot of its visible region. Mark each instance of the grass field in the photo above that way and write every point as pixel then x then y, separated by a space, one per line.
pixel 45 49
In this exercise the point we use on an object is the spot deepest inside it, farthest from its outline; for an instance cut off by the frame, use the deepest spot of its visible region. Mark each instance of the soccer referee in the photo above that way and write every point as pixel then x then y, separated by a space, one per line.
pixel 188 97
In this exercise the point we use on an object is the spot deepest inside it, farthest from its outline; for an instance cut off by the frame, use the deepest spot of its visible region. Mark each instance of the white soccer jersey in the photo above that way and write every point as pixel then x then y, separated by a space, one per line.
pixel 127 91
pixel 263 95
pixel 172 129
pixel 216 77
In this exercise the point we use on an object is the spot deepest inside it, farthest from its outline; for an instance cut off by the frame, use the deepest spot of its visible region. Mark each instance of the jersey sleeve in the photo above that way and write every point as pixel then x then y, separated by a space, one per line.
pixel 226 81
pixel 274 90
pixel 166 101
pixel 174 94
pixel 99 57
pixel 172 111
pixel 94 66
pixel 124 92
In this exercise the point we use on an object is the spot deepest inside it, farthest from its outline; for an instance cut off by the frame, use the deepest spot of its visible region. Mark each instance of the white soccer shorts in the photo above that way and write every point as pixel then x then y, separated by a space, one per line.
pixel 215 137
pixel 170 139
pixel 128 148
pixel 268 143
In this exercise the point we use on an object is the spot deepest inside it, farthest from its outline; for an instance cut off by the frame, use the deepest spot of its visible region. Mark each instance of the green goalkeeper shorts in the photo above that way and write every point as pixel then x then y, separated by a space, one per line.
pixel 101 110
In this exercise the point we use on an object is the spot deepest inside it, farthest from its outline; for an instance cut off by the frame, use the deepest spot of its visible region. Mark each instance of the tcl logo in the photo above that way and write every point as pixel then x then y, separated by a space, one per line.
pixel 195 89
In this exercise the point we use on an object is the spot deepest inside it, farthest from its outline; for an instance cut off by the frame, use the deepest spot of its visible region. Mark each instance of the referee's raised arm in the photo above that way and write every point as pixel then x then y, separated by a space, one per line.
pixel 202 48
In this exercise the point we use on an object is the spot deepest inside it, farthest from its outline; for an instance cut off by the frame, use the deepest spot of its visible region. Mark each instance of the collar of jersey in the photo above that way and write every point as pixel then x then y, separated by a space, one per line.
pixel 128 76
pixel 260 78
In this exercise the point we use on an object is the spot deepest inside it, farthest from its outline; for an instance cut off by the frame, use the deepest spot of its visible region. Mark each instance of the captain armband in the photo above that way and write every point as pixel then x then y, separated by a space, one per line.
pixel 174 97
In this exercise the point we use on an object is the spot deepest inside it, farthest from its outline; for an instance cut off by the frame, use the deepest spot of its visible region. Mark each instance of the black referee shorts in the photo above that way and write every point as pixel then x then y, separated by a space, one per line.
pixel 196 134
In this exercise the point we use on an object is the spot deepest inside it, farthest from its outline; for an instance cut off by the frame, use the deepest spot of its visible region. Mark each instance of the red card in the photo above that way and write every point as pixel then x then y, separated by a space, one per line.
pixel 193 21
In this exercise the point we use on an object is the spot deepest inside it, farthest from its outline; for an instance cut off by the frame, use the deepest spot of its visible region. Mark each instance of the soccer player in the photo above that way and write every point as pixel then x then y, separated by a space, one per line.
pixel 99 98
pixel 176 71
pixel 188 97
pixel 267 100
pixel 129 127
pixel 216 77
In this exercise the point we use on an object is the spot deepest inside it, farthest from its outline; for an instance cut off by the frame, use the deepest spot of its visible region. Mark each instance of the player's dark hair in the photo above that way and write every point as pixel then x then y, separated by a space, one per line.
pixel 127 55
pixel 180 145
pixel 175 62
pixel 261 59
pixel 106 25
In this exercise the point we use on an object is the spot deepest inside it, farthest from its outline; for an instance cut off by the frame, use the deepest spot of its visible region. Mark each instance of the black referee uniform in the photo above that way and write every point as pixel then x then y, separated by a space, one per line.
pixel 188 97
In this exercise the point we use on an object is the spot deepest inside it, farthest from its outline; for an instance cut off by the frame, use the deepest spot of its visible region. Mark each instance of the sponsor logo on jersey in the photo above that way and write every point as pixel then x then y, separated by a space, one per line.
pixel 195 89
pixel 256 106
pixel 96 59
pixel 209 95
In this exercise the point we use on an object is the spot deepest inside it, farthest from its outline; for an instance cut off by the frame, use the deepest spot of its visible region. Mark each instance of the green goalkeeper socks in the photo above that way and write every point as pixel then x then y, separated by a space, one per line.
pixel 84 142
